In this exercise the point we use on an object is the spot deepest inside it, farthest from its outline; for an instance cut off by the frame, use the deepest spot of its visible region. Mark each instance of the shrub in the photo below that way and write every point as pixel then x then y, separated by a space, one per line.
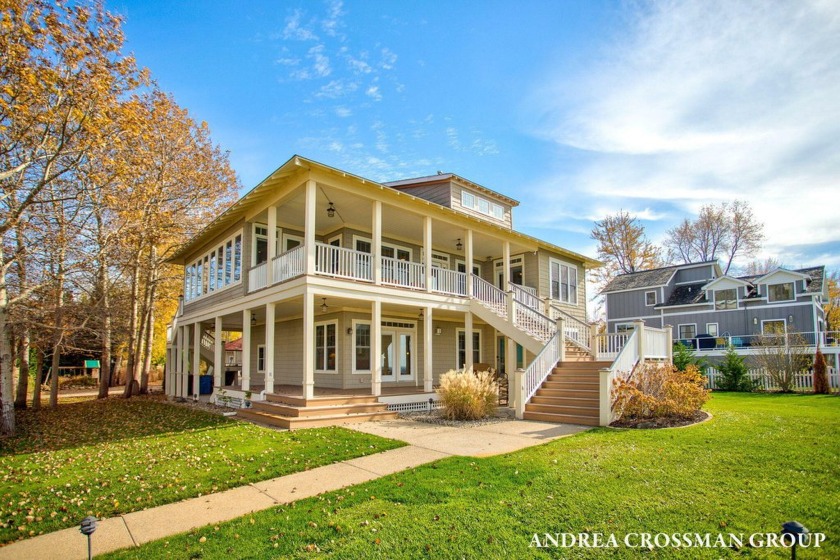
pixel 683 356
pixel 733 373
pixel 820 374
pixel 783 356
pixel 467 395
pixel 660 391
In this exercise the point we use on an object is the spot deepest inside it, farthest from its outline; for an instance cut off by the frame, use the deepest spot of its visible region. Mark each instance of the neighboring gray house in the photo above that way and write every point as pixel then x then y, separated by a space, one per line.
pixel 709 310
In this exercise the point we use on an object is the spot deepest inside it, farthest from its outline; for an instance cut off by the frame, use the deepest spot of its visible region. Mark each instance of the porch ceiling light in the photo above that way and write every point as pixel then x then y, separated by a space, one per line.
pixel 459 245
pixel 331 210
pixel 324 305
pixel 253 318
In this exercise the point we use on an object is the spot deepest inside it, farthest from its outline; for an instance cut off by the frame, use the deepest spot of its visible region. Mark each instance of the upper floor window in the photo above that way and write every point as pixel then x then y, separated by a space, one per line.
pixel 650 298
pixel 218 268
pixel 563 280
pixel 780 292
pixel 482 205
pixel 726 299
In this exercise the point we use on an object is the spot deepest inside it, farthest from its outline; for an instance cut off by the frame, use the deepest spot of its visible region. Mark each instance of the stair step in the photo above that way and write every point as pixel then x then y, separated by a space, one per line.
pixel 320 410
pixel 586 411
pixel 571 393
pixel 561 418
pixel 320 401
pixel 571 385
pixel 577 376
pixel 566 401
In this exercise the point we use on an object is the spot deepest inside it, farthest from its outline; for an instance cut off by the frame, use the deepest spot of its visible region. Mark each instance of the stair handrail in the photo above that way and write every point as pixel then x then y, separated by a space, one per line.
pixel 525 297
pixel 208 340
pixel 540 368
pixel 490 296
pixel 577 332
pixel 533 322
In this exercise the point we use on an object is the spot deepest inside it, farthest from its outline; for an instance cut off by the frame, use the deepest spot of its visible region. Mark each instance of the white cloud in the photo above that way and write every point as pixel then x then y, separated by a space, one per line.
pixel 343 112
pixel 373 93
pixel 704 101
pixel 332 23
pixel 336 88
pixel 294 29
pixel 389 59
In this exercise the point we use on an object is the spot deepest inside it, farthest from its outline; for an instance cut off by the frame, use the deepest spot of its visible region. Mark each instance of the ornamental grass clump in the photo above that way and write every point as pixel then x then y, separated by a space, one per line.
pixel 467 395
pixel 658 391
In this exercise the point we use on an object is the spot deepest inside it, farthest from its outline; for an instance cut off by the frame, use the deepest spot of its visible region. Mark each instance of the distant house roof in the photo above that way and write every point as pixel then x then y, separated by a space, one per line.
pixel 686 294
pixel 234 345
pixel 815 274
pixel 652 278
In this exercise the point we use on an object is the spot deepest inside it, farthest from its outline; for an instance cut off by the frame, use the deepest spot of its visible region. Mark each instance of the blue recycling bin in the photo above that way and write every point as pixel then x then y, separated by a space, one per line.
pixel 205 384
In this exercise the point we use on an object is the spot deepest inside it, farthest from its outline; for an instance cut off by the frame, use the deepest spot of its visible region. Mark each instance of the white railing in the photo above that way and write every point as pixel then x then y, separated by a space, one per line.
pixel 533 322
pixel 540 369
pixel 623 366
pixel 208 341
pixel 288 265
pixel 802 382
pixel 406 274
pixel 343 263
pixel 577 331
pixel 449 282
pixel 656 343
pixel 258 277
pixel 490 296
pixel 608 345
pixel 526 297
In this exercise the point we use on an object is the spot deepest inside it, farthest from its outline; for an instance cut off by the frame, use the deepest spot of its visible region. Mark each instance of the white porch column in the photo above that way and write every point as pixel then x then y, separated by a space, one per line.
pixel 309 226
pixel 185 361
pixel 176 364
pixel 639 327
pixel 669 333
pixel 376 242
pixel 468 257
pixel 272 244
pixel 506 265
pixel 427 251
pixel 510 360
pixel 376 348
pixel 269 346
pixel 468 340
pixel 308 345
pixel 428 341
pixel 196 369
pixel 218 354
pixel 246 350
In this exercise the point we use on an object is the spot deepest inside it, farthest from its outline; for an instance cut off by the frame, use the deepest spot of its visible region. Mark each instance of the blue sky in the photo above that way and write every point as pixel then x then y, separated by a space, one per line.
pixel 577 109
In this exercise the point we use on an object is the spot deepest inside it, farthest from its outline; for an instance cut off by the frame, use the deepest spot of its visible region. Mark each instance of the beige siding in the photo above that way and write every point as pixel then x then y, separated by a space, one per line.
pixel 578 310
pixel 456 205
pixel 437 193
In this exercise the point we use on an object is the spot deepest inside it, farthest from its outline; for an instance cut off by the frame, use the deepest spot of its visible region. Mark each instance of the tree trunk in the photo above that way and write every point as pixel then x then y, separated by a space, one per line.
pixel 7 407
pixel 150 320
pixel 58 336
pixel 23 371
pixel 132 328
pixel 105 358
pixel 116 374
pixel 39 370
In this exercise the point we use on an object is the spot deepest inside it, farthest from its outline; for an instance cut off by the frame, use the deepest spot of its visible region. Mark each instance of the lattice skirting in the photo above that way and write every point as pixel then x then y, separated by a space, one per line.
pixel 414 406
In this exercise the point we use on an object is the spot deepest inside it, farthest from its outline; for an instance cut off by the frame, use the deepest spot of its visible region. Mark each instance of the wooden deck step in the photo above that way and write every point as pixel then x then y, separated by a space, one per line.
pixel 573 393
pixel 571 385
pixel 299 422
pixel 320 401
pixel 316 410
pixel 583 411
pixel 565 401
pixel 561 418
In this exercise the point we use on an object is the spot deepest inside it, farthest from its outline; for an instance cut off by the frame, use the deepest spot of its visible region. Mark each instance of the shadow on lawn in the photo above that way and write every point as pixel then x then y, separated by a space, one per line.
pixel 102 421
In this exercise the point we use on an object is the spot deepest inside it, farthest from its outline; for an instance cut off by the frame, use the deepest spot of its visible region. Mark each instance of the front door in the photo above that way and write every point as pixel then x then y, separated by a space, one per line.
pixel 516 271
pixel 397 360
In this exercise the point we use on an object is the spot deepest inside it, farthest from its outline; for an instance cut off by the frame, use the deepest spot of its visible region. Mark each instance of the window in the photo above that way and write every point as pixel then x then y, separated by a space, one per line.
pixel 774 326
pixel 712 329
pixel 780 292
pixel 726 299
pixel 482 205
pixel 214 270
pixel 361 349
pixel 563 281
pixel 650 298
pixel 462 348
pixel 260 244
pixel 325 347
pixel 261 358
pixel 624 328
pixel 688 331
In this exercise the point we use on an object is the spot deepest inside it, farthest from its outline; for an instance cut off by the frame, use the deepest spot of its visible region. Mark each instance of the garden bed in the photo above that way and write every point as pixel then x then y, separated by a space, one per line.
pixel 666 422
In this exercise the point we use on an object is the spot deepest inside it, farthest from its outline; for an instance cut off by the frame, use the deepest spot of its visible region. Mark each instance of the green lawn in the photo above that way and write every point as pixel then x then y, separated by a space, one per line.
pixel 762 460
pixel 109 457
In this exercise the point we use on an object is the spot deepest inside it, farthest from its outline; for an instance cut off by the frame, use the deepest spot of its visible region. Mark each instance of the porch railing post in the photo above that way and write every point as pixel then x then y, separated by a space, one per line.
pixel 669 341
pixel 561 329
pixel 639 327
pixel 604 397
pixel 518 392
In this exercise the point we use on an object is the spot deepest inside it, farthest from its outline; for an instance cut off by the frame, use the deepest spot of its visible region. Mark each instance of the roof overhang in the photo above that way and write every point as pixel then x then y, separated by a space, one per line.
pixel 783 274
pixel 725 282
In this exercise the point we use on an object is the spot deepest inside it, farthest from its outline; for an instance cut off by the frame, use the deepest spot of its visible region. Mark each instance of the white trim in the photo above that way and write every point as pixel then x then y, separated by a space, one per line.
pixel 654 298
pixel 717 329
pixel 679 327
pixel 384 244
pixel 260 347
pixel 782 320
pixel 476 264
pixel 286 236
pixel 206 255
pixel 793 292
pixel 315 341
pixel 333 238
pixel 552 260
pixel 460 330
pixel 741 309
pixel 355 323
pixel 633 318
pixel 714 299
pixel 624 324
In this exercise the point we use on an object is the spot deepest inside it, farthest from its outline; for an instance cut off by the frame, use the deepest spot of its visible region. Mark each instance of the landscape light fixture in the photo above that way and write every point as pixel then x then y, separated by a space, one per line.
pixel 796 529
pixel 459 245
pixel 331 210
pixel 87 528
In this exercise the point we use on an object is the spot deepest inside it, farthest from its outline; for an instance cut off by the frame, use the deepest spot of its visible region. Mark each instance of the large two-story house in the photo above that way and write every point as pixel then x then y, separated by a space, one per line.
pixel 710 311
pixel 345 289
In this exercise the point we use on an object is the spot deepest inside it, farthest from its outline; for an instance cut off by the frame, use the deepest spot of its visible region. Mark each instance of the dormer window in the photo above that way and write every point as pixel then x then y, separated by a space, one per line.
pixel 726 299
pixel 482 205
pixel 780 292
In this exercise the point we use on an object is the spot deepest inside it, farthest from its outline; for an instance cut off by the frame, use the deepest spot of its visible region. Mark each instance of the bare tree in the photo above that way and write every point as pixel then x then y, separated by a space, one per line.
pixel 783 356
pixel 761 267
pixel 725 231
pixel 623 246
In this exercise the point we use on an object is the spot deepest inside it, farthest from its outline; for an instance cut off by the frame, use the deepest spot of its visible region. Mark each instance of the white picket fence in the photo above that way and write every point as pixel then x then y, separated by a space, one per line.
pixel 803 382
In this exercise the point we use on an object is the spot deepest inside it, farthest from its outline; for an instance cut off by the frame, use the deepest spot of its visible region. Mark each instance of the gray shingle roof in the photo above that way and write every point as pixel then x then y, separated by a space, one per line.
pixel 686 294
pixel 641 279
pixel 816 274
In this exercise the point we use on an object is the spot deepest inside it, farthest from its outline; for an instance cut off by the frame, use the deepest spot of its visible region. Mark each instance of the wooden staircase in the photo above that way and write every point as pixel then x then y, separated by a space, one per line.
pixel 297 412
pixel 570 393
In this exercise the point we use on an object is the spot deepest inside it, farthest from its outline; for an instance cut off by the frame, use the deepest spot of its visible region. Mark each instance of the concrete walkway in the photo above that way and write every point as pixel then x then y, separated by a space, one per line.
pixel 427 443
